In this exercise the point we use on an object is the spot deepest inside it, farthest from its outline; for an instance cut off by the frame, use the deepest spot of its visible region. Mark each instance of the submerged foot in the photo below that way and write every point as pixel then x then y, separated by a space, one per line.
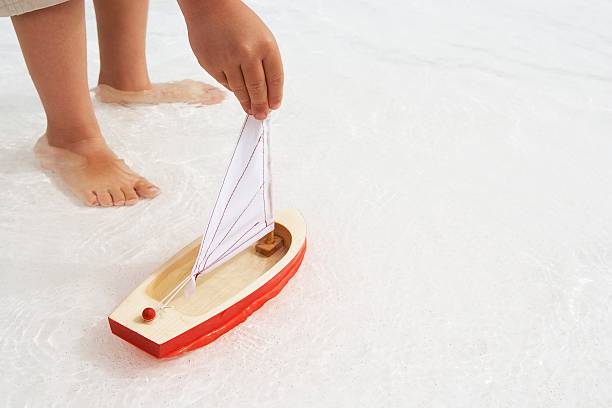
pixel 187 91
pixel 94 173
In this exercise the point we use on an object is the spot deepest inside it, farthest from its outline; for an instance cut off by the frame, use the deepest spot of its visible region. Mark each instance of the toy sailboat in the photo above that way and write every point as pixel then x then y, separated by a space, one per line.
pixel 244 258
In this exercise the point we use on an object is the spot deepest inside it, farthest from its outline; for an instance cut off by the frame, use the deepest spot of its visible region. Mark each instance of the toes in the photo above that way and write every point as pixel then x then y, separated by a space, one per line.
pixel 145 189
pixel 131 197
pixel 104 198
pixel 91 199
pixel 118 197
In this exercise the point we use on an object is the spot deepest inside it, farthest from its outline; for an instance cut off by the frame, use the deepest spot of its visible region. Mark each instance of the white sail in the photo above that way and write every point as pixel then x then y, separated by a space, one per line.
pixel 242 213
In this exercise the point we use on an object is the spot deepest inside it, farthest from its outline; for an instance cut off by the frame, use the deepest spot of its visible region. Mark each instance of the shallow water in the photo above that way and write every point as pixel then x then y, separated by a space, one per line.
pixel 453 163
pixel 185 90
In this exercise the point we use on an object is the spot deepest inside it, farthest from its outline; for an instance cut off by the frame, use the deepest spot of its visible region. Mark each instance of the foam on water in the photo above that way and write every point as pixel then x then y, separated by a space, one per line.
pixel 452 162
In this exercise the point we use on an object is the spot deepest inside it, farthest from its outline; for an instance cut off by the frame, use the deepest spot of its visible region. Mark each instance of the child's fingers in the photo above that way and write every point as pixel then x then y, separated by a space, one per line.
pixel 275 79
pixel 255 80
pixel 237 86
pixel 221 78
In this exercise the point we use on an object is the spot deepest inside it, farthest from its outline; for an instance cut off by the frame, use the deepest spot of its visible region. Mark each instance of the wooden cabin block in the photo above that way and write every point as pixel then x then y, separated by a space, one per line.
pixel 268 245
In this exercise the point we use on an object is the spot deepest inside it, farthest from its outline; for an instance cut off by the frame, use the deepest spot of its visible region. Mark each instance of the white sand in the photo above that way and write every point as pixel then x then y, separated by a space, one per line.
pixel 454 165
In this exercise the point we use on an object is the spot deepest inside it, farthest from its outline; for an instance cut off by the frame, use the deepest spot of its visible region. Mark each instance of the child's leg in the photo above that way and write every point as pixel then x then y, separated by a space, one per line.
pixel 122 26
pixel 53 44
pixel 122 29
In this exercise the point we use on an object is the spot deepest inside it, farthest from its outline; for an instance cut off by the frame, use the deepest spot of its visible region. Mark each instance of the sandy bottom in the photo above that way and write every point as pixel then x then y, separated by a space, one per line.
pixel 187 90
pixel 453 163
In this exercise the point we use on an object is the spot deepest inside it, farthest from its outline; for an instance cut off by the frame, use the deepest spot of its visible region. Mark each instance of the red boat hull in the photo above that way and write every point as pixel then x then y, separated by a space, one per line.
pixel 211 329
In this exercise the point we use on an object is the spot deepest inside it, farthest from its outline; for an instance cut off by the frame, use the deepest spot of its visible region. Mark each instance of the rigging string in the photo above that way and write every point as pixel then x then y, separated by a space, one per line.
pixel 174 292
pixel 170 296
pixel 164 303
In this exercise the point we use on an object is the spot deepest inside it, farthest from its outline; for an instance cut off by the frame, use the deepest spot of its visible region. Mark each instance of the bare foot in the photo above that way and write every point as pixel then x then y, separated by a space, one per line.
pixel 93 172
pixel 188 91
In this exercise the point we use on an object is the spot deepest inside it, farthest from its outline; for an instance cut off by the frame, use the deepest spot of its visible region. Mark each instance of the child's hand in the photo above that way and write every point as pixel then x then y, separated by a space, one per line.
pixel 238 50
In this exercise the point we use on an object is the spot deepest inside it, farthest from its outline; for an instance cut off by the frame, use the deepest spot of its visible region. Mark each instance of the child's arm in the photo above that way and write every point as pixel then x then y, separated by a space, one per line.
pixel 238 50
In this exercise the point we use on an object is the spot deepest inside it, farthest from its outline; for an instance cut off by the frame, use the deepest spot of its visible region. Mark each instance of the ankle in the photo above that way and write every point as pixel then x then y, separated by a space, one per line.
pixel 70 136
pixel 125 82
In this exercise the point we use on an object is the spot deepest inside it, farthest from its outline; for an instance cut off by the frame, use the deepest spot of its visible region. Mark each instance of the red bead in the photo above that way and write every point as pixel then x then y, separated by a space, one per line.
pixel 148 314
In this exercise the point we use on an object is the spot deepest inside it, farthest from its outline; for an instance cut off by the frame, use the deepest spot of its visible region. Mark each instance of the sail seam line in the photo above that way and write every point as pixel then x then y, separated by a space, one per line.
pixel 234 224
pixel 230 197
pixel 238 240
pixel 223 182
